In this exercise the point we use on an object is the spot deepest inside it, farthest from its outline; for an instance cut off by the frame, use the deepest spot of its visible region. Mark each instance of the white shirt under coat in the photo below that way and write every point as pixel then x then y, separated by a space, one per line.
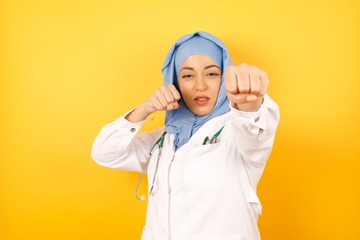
pixel 201 192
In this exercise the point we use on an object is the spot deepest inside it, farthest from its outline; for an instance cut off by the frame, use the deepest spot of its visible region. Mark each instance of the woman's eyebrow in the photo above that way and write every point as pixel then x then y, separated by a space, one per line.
pixel 189 68
pixel 210 66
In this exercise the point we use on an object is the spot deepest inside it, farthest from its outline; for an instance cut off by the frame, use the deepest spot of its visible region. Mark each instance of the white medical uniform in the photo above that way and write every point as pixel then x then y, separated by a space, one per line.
pixel 201 192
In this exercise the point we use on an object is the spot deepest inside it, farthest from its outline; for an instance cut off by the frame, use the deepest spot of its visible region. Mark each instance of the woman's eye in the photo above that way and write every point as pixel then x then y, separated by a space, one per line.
pixel 213 74
pixel 187 76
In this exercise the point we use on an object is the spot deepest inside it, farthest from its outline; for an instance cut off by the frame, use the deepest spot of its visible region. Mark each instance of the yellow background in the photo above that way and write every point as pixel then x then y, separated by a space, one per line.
pixel 69 67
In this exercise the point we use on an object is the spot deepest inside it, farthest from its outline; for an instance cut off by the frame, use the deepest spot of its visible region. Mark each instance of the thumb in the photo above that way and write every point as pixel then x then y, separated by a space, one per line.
pixel 172 106
pixel 240 98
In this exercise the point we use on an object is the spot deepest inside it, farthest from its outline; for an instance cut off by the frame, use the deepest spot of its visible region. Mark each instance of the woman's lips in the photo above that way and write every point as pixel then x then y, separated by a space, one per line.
pixel 202 100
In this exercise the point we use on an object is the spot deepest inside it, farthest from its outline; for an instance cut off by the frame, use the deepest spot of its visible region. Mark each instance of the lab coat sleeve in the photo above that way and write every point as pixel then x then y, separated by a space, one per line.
pixel 120 146
pixel 254 132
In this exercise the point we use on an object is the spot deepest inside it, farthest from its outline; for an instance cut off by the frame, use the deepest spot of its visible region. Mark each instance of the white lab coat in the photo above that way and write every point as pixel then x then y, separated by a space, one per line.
pixel 201 192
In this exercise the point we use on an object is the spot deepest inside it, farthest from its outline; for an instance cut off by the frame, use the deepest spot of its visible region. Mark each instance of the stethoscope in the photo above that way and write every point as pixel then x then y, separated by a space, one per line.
pixel 160 143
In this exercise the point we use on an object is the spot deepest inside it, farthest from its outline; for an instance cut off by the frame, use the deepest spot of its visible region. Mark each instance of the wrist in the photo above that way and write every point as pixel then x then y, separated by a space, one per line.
pixel 146 111
pixel 249 106
pixel 138 114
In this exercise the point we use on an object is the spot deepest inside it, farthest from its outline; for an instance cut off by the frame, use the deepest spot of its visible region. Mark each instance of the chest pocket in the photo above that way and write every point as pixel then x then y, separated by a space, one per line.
pixel 205 167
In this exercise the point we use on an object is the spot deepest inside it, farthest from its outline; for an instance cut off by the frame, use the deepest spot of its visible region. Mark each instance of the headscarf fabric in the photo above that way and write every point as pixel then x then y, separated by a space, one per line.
pixel 182 122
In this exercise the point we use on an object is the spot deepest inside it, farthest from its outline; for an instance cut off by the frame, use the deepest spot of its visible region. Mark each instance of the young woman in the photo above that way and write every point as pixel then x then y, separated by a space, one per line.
pixel 204 165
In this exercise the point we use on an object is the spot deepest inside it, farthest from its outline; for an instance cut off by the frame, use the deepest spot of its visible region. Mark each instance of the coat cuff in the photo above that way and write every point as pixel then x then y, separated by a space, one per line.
pixel 122 123
pixel 254 121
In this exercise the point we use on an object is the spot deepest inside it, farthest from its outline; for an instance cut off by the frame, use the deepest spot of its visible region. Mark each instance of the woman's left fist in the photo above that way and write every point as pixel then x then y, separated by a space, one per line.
pixel 245 86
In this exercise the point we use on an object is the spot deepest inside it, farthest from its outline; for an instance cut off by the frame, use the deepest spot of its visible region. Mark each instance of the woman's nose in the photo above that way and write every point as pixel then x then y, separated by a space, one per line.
pixel 200 84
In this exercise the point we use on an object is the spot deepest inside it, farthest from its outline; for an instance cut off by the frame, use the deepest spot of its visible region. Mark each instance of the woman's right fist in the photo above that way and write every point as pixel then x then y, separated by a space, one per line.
pixel 166 97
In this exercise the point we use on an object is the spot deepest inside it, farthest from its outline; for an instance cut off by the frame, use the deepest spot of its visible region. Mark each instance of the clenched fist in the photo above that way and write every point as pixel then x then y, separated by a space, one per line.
pixel 166 97
pixel 245 86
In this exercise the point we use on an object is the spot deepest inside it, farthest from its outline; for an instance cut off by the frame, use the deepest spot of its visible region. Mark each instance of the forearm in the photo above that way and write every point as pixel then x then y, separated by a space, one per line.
pixel 118 145
pixel 139 114
pixel 254 132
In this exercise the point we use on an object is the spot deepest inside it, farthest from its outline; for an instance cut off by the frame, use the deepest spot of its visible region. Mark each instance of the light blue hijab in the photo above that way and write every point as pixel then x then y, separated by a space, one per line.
pixel 182 122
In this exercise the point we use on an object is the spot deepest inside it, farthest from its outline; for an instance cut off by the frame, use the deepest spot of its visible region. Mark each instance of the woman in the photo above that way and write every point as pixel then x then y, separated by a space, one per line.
pixel 204 165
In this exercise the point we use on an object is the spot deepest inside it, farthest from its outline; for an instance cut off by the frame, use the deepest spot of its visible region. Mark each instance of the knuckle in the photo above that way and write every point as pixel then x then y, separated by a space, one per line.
pixel 158 91
pixel 170 86
pixel 230 68
pixel 255 92
pixel 230 72
pixel 254 68
pixel 232 89
pixel 243 89
pixel 152 98
pixel 243 65
pixel 162 88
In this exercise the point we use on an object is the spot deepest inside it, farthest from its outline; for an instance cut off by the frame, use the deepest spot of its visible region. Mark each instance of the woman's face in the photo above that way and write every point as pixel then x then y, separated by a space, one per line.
pixel 199 81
